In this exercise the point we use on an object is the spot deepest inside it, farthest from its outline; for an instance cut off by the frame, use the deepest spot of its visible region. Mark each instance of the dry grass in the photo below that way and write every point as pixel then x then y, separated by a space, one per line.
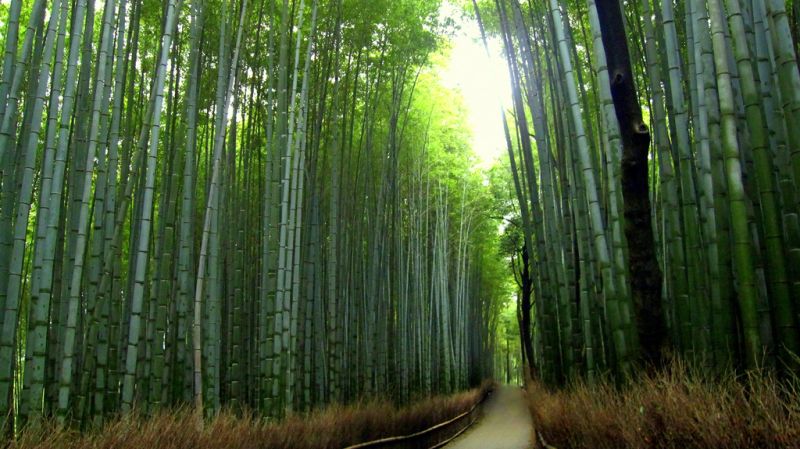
pixel 333 427
pixel 674 409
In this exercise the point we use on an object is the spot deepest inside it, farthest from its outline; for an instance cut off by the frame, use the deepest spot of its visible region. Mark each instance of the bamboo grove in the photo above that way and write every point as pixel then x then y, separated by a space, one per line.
pixel 254 204
pixel 654 148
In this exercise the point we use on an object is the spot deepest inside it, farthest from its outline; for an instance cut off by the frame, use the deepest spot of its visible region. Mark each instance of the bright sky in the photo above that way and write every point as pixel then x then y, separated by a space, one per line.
pixel 483 82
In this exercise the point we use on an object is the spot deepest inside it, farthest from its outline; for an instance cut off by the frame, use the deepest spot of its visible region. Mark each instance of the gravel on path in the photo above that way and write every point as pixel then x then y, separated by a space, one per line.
pixel 505 423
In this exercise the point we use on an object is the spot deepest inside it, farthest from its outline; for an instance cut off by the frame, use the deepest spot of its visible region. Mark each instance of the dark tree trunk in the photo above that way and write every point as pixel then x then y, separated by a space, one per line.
pixel 796 27
pixel 508 361
pixel 645 274
pixel 525 318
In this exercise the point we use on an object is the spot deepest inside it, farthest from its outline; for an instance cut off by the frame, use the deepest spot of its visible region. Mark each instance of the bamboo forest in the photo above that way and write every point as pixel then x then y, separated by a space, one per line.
pixel 318 223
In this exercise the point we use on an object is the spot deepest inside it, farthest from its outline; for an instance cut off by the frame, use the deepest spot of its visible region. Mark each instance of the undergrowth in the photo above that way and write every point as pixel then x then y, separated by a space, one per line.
pixel 677 408
pixel 335 426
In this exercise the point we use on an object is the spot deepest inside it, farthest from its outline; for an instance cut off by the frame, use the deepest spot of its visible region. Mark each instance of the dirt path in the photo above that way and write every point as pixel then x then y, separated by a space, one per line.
pixel 505 424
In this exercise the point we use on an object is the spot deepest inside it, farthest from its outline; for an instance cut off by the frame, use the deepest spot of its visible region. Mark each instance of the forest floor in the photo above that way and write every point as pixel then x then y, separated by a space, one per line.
pixel 332 427
pixel 504 424
pixel 679 408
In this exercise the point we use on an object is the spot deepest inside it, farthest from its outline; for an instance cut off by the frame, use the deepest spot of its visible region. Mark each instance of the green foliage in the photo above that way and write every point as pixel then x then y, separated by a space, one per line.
pixel 299 222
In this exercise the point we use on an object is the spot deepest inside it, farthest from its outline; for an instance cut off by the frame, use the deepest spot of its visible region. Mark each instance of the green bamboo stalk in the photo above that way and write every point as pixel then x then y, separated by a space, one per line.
pixel 743 257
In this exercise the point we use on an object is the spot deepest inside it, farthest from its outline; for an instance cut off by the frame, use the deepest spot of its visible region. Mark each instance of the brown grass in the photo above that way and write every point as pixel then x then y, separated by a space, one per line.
pixel 673 409
pixel 333 427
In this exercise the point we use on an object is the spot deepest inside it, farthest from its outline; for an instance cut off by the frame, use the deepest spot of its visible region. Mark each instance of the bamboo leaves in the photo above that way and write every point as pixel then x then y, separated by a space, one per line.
pixel 285 196
pixel 719 184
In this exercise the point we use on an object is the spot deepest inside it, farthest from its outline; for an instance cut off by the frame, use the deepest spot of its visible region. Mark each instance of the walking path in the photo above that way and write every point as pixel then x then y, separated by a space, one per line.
pixel 505 423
